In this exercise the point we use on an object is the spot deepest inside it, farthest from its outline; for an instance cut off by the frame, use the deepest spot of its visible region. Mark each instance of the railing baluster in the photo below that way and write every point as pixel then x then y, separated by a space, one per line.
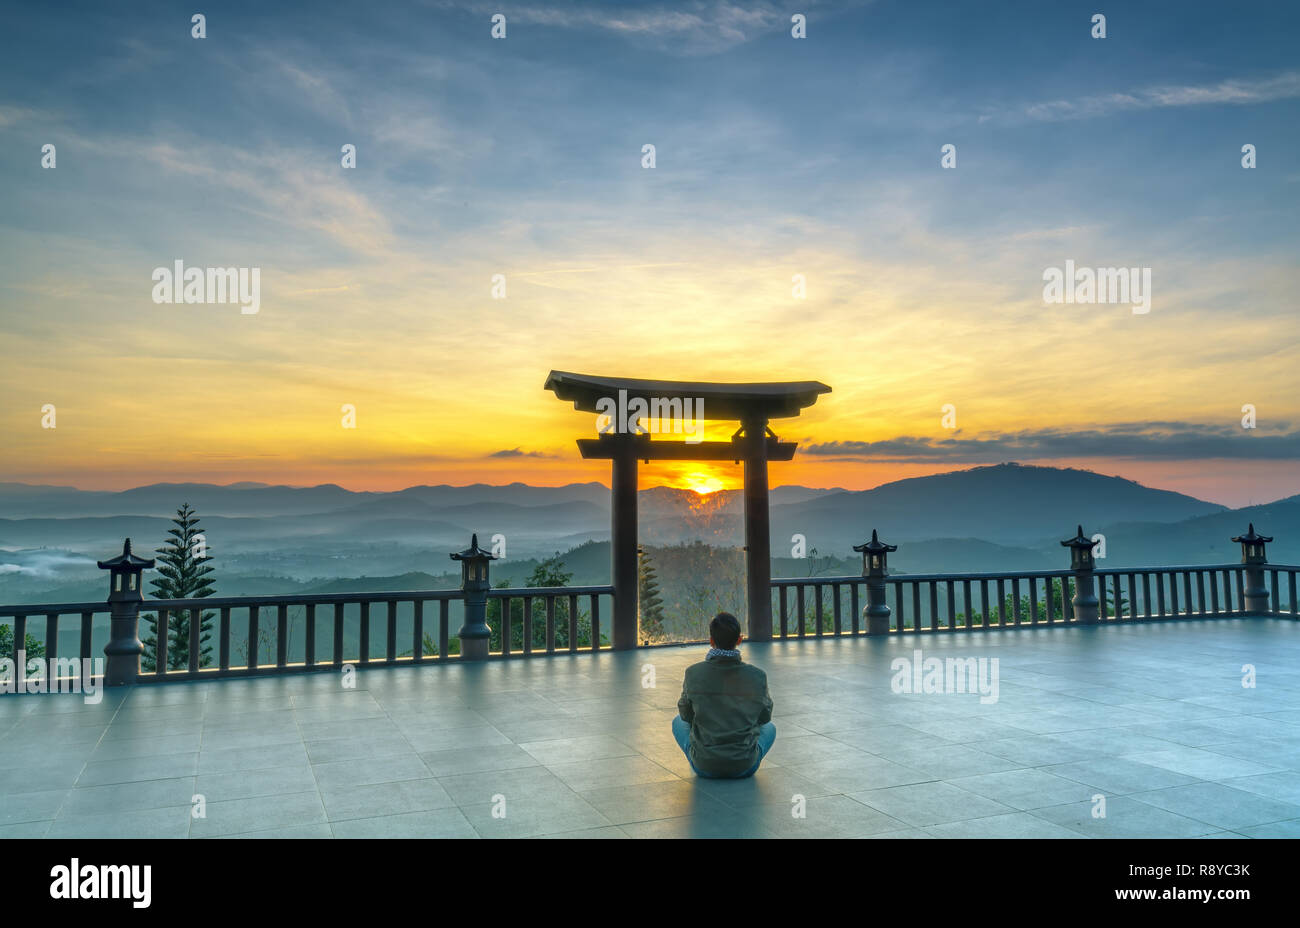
pixel 1015 599
pixel 1067 607
pixel 934 606
pixel 417 631
pixel 340 615
pixel 1200 591
pixel 952 605
pixel 162 632
pixel 984 602
pixel 835 589
pixel 817 610
pixel 88 627
pixel 20 644
pixel 506 625
pixel 965 598
pixel 444 620
pixel 1160 593
pixel 282 635
pixel 1146 595
pixel 595 622
pixel 529 604
pixel 223 646
pixel 550 623
pixel 800 604
pixel 254 634
pixel 916 606
pixel 1033 600
pixel 51 642
pixel 783 596
pixel 309 647
pixel 363 644
pixel 196 629
pixel 573 623
pixel 1002 602
pixel 1295 607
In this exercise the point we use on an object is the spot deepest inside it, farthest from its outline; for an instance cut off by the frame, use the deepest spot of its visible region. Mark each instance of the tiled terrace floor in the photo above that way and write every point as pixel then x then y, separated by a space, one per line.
pixel 1152 717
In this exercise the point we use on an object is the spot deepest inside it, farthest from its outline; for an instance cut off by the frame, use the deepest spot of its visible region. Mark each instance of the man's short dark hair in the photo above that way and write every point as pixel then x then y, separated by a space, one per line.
pixel 725 631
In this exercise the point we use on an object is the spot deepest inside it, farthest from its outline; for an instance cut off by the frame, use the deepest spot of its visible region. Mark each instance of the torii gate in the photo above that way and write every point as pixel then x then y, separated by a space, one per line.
pixel 753 405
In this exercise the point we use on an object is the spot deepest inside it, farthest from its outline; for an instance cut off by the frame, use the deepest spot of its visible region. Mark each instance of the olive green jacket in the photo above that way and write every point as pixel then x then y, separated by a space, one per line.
pixel 725 701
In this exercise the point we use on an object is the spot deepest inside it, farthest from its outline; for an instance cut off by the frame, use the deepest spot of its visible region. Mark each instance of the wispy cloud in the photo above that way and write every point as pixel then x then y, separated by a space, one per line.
pixel 519 453
pixel 694 28
pixel 1165 441
pixel 1234 91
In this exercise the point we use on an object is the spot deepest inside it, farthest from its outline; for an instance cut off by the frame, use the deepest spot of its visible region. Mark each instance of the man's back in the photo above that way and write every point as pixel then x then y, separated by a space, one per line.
pixel 725 701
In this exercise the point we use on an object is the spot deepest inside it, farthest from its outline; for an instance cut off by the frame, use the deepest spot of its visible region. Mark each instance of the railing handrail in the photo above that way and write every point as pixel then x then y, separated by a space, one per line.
pixel 59 608
pixel 1008 574
pixel 515 592
pixel 305 599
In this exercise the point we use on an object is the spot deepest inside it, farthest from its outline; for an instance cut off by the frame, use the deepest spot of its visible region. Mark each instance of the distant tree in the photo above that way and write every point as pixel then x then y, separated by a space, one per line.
pixel 651 603
pixel 818 565
pixel 1057 599
pixel 549 572
pixel 31 644
pixel 183 574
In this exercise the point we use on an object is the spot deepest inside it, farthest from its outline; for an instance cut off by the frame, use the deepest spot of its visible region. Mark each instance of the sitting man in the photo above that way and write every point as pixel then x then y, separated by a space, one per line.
pixel 724 722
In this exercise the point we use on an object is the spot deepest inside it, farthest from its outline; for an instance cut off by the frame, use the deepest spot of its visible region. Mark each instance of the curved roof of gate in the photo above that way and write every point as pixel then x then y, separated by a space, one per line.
pixel 781 400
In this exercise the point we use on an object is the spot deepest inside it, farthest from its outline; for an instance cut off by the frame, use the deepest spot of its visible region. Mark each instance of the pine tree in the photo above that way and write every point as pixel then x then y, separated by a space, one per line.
pixel 183 575
pixel 651 603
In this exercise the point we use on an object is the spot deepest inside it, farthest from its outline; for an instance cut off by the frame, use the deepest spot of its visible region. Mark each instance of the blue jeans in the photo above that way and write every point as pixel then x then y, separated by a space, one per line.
pixel 682 732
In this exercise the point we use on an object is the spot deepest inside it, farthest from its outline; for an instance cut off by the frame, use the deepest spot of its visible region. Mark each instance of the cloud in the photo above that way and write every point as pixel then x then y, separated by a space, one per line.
pixel 1159 440
pixel 517 453
pixel 1233 91
pixel 13 115
pixel 696 28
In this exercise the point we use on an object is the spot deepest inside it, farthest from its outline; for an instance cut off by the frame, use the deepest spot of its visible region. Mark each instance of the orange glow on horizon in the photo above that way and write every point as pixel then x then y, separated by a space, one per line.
pixel 702 483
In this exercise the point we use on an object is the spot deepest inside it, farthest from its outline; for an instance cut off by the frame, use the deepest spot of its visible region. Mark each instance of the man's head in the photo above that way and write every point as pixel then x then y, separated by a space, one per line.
pixel 724 631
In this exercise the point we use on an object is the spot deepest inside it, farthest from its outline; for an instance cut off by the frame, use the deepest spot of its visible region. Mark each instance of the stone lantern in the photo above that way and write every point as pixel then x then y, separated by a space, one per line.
pixel 1086 606
pixel 1253 556
pixel 122 664
pixel 874 554
pixel 475 635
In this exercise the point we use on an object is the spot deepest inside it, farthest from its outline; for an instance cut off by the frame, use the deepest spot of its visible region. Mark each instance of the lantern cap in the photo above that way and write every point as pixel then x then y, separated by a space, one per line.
pixel 473 551
pixel 126 559
pixel 1080 540
pixel 1251 538
pixel 875 545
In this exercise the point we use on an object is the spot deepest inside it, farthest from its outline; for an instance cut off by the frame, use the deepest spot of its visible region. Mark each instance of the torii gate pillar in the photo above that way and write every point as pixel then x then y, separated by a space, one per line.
pixel 623 544
pixel 758 533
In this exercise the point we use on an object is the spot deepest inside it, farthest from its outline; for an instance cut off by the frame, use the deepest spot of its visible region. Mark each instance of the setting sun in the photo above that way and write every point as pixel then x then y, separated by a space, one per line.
pixel 702 483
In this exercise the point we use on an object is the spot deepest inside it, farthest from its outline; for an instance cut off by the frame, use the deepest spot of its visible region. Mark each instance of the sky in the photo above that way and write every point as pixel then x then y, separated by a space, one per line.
pixel 923 286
